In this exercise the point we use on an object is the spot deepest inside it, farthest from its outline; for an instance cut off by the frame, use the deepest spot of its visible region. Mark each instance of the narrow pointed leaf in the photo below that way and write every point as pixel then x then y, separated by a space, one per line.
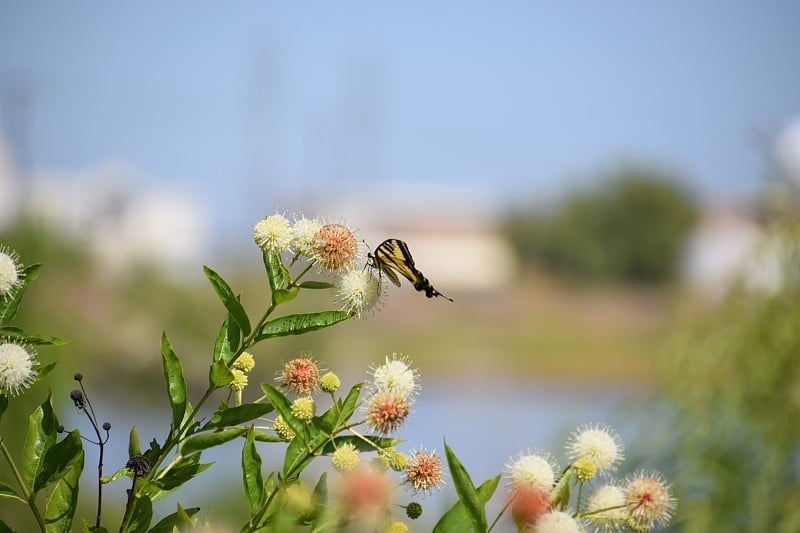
pixel 280 296
pixel 43 370
pixel 219 375
pixel 166 482
pixel 316 285
pixel 134 448
pixel 42 425
pixel 277 273
pixel 63 500
pixel 142 516
pixel 467 493
pixel 330 419
pixel 456 518
pixel 296 458
pixel 562 490
pixel 297 324
pixel 17 335
pixel 176 384
pixel 233 416
pixel 202 441
pixel 7 491
pixel 229 300
pixel 251 474
pixel 228 339
pixel 320 497
pixel 10 304
pixel 180 519
pixel 283 406
pixel 58 460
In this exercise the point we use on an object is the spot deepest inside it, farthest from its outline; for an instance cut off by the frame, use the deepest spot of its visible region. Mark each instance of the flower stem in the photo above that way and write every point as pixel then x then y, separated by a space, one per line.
pixel 29 496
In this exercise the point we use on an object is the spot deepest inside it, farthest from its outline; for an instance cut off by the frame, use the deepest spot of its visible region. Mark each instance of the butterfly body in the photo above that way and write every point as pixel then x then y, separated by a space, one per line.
pixel 392 257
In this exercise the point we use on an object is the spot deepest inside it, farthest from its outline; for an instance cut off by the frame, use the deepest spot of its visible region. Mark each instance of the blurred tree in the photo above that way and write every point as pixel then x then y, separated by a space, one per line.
pixel 630 228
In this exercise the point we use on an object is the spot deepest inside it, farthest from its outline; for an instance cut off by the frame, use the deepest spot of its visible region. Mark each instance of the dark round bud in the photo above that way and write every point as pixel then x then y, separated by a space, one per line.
pixel 139 465
pixel 106 426
pixel 77 398
pixel 414 510
pixel 78 376
pixel 60 428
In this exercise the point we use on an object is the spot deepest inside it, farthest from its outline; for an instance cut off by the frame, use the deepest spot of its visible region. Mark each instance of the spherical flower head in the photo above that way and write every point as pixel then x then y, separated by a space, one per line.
pixel 304 408
pixel 584 469
pixel 299 498
pixel 528 505
pixel 397 461
pixel 424 471
pixel 534 470
pixel 300 376
pixel 357 291
pixel 345 458
pixel 17 368
pixel 330 383
pixel 273 234
pixel 387 411
pixel 335 247
pixel 598 443
pixel 557 522
pixel 397 527
pixel 239 380
pixel 245 362
pixel 611 498
pixel 304 231
pixel 364 492
pixel 9 271
pixel 649 498
pixel 414 510
pixel 283 429
pixel 397 376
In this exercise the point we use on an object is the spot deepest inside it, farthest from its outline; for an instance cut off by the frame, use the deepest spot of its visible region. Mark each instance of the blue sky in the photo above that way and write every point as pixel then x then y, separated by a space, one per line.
pixel 257 103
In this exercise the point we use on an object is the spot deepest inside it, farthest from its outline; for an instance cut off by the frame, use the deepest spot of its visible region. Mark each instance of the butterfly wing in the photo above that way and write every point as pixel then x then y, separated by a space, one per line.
pixel 392 257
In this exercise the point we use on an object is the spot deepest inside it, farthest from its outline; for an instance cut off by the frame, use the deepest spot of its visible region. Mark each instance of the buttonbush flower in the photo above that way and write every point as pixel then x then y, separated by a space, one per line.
pixel 584 469
pixel 398 527
pixel 345 458
pixel 335 247
pixel 424 471
pixel 387 411
pixel 357 291
pixel 9 271
pixel 304 408
pixel 364 492
pixel 534 470
pixel 239 380
pixel 529 504
pixel 300 376
pixel 245 362
pixel 304 231
pixel 557 522
pixel 609 497
pixel 283 429
pixel 330 383
pixel 273 234
pixel 649 499
pixel 598 443
pixel 17 368
pixel 397 376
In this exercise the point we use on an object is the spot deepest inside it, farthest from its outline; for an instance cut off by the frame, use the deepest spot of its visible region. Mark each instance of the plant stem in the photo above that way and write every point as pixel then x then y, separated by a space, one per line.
pixel 29 496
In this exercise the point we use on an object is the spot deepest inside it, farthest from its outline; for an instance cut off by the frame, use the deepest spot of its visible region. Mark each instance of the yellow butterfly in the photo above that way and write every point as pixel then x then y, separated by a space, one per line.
pixel 392 255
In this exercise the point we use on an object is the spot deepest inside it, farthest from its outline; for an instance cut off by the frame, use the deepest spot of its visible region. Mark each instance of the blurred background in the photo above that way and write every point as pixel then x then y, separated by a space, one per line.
pixel 609 193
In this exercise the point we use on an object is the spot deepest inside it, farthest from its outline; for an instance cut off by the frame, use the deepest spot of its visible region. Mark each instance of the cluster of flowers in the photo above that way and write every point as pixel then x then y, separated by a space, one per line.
pixel 364 490
pixel 639 502
pixel 17 362
pixel 332 246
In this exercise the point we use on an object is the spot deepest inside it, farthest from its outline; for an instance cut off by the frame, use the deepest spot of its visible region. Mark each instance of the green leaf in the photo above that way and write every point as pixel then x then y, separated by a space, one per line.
pixel 42 425
pixel 229 300
pixel 7 491
pixel 176 384
pixel 124 471
pixel 202 441
pixel 561 490
pixel 263 436
pixel 63 500
pixel 17 335
pixel 251 474
pixel 141 516
pixel 277 273
pixel 283 406
pixel 296 458
pixel 4 528
pixel 233 416
pixel 320 498
pixel 280 296
pixel 219 375
pixel 42 371
pixel 184 469
pixel 228 339
pixel 297 324
pixel 3 404
pixel 330 419
pixel 467 494
pixel 180 519
pixel 10 304
pixel 456 519
pixel 317 285
pixel 58 460
pixel 134 448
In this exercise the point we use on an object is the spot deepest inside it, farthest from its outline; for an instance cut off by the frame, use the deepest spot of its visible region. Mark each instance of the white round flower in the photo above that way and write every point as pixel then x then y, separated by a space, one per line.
pixel 9 271
pixel 532 470
pixel 557 522
pixel 611 498
pixel 17 370
pixel 397 376
pixel 303 233
pixel 598 443
pixel 273 234
pixel 357 291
